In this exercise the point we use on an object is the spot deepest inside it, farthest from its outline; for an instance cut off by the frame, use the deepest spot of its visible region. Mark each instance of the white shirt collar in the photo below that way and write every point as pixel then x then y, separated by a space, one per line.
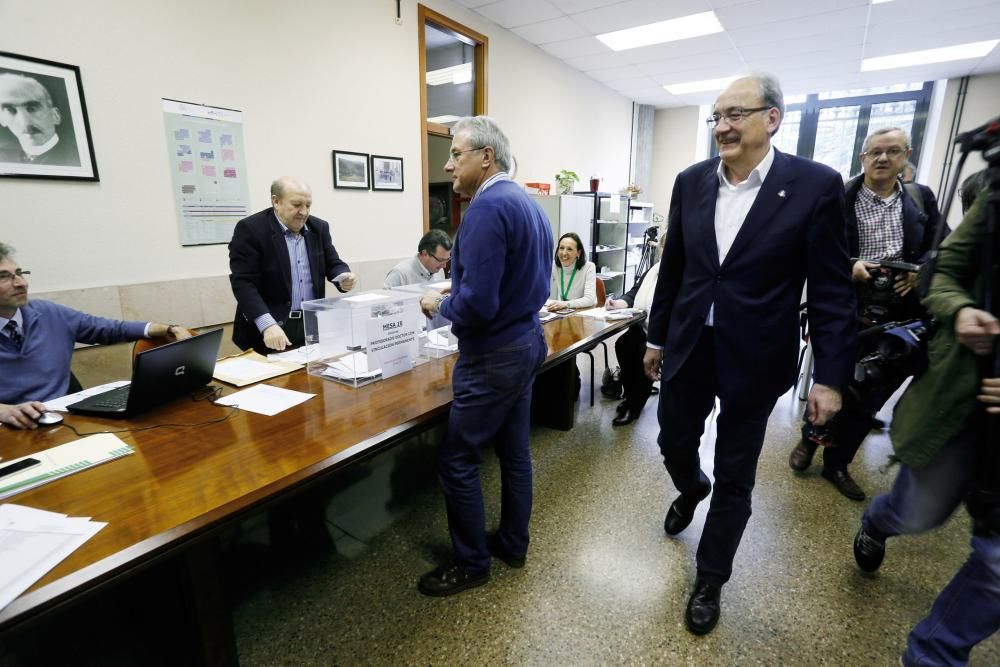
pixel 757 174
pixel 491 181
pixel 18 317
pixel 34 151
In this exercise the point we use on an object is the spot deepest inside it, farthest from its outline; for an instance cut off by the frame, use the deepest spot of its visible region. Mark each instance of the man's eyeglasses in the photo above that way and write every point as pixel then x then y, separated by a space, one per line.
pixel 457 154
pixel 733 116
pixel 892 153
pixel 441 260
pixel 7 276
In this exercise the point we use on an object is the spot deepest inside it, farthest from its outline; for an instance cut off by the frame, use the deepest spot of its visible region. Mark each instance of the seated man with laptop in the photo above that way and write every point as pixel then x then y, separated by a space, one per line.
pixel 37 340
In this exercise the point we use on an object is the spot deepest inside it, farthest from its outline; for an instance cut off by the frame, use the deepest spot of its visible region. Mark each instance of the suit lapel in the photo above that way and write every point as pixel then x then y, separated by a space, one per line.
pixel 774 192
pixel 281 252
pixel 709 195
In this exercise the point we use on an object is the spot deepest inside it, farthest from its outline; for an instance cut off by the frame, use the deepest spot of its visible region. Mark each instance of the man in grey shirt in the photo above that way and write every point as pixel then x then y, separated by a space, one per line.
pixel 433 254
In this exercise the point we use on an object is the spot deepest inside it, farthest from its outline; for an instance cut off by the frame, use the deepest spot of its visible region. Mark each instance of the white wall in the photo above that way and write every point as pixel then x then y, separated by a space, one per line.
pixel 310 76
pixel 675 148
pixel 982 102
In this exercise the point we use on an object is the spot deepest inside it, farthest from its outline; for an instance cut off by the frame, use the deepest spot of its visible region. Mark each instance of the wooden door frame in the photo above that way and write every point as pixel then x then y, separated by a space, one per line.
pixel 481 44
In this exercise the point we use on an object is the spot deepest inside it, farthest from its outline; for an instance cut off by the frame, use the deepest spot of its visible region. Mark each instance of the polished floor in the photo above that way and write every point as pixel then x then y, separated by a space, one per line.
pixel 603 584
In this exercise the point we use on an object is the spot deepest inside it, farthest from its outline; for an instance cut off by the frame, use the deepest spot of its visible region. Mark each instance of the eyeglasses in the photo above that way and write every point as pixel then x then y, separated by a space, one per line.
pixel 733 116
pixel 440 260
pixel 7 276
pixel 457 154
pixel 892 153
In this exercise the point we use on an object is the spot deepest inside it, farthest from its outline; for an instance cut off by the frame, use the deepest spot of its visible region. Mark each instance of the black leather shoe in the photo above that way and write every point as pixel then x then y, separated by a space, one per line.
pixel 450 579
pixel 868 552
pixel 626 417
pixel 621 408
pixel 497 551
pixel 801 457
pixel 682 511
pixel 842 479
pixel 703 608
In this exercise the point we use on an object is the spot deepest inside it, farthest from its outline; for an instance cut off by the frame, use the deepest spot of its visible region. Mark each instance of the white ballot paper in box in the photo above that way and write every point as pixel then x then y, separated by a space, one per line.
pixel 350 367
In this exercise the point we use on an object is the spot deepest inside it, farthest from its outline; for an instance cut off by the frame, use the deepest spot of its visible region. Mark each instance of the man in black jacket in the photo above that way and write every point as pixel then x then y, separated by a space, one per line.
pixel 278 258
pixel 886 221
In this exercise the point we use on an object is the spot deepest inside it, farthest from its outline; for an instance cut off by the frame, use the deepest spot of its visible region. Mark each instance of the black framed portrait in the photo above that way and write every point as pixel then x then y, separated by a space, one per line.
pixel 44 129
pixel 350 170
pixel 387 173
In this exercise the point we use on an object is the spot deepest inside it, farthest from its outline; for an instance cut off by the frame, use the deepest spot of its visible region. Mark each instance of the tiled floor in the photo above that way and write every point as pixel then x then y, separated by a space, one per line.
pixel 603 584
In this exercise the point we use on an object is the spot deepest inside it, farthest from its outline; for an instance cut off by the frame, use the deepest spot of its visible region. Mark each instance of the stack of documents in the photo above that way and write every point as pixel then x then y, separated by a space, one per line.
pixel 353 366
pixel 63 460
pixel 605 314
pixel 32 542
pixel 250 367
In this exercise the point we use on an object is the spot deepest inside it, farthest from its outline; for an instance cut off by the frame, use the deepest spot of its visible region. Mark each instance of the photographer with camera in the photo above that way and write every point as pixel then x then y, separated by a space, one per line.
pixel 891 229
pixel 944 432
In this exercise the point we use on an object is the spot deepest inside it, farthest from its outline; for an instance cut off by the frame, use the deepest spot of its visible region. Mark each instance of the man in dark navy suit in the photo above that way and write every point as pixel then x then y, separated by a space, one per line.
pixel 745 231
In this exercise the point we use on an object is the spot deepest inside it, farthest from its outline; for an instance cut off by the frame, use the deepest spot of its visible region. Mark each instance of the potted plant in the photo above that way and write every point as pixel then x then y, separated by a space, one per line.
pixel 565 180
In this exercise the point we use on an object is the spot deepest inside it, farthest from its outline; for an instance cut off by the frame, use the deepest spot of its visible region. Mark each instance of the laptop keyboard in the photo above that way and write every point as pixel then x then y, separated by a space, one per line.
pixel 114 399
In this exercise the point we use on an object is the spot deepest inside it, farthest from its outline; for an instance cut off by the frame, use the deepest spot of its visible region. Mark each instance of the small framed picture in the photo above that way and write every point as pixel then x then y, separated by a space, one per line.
pixel 387 173
pixel 350 170
pixel 44 131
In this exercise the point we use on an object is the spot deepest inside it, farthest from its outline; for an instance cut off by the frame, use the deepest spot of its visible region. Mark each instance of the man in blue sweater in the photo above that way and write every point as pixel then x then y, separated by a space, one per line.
pixel 36 344
pixel 500 280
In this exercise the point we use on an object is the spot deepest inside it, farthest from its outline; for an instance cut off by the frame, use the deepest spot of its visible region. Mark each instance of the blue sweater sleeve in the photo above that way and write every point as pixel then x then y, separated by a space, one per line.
pixel 478 298
pixel 93 329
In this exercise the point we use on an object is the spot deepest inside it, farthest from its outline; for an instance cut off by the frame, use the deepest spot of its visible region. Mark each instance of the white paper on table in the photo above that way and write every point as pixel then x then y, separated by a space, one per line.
pixel 245 369
pixel 59 404
pixel 605 314
pixel 299 355
pixel 66 459
pixel 265 399
pixel 440 285
pixel 32 542
pixel 353 366
pixel 368 296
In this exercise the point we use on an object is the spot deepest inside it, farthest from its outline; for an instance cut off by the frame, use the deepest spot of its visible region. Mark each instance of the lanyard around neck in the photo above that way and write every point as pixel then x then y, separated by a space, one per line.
pixel 565 288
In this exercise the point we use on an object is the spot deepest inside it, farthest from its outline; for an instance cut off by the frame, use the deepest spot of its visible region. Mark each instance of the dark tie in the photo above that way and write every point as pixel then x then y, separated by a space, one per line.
pixel 15 334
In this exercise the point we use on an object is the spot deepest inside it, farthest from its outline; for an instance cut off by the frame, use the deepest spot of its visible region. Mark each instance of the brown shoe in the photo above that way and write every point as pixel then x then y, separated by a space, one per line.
pixel 842 479
pixel 802 456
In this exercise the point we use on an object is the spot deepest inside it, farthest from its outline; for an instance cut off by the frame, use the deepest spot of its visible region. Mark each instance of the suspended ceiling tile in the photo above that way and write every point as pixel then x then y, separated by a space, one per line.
pixel 553 30
pixel 513 13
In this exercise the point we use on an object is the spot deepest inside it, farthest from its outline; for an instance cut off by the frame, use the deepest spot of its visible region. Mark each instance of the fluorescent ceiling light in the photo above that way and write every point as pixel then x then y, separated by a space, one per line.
pixel 685 27
pixel 699 86
pixel 943 55
pixel 879 2
pixel 444 120
pixel 454 74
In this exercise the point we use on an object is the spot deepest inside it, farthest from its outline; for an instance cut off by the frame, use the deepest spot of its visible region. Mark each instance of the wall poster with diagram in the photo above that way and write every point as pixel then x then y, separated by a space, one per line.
pixel 208 170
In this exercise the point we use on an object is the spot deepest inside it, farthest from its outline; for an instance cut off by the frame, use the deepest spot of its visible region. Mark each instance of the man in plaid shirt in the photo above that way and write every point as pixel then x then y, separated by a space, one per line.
pixel 885 222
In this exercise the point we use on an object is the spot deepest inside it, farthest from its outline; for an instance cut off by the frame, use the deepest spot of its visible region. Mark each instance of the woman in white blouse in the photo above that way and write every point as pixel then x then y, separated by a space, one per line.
pixel 574 280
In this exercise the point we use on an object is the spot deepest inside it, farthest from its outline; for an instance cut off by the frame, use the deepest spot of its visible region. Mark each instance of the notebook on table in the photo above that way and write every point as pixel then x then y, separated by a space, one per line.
pixel 158 375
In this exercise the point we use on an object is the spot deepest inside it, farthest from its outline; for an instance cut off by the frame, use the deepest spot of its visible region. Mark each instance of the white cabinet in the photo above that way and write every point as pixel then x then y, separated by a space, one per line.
pixel 568 213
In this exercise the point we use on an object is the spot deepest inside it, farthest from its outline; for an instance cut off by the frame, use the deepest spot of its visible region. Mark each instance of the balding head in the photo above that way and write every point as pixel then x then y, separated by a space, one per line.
pixel 292 201
pixel 26 109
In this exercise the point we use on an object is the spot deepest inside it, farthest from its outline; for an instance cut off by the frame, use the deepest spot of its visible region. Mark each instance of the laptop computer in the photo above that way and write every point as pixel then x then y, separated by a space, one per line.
pixel 158 375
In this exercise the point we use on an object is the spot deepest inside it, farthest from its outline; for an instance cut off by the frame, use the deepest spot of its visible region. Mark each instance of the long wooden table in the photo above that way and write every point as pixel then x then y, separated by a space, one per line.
pixel 185 484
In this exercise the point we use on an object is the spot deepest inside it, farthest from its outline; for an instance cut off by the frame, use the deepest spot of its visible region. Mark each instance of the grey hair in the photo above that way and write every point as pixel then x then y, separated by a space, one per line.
pixel 5 251
pixel 278 185
pixel 28 79
pixel 885 130
pixel 771 95
pixel 484 131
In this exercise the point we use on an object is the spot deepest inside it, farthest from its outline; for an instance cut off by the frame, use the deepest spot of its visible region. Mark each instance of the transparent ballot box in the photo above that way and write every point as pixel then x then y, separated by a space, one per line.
pixel 356 339
pixel 436 339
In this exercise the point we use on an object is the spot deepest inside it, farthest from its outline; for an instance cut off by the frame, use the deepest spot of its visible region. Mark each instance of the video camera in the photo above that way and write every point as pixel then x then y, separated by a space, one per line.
pixel 896 347
pixel 879 300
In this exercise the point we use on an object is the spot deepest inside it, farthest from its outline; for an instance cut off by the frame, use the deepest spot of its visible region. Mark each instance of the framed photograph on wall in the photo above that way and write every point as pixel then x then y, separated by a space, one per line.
pixel 350 170
pixel 387 173
pixel 44 130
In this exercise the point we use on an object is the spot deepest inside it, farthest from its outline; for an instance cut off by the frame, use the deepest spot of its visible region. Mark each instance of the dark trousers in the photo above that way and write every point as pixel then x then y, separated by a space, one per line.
pixel 685 402
pixel 492 403
pixel 851 425
pixel 630 348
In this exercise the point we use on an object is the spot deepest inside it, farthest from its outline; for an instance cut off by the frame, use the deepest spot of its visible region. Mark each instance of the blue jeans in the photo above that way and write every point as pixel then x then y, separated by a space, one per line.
pixel 967 611
pixel 492 403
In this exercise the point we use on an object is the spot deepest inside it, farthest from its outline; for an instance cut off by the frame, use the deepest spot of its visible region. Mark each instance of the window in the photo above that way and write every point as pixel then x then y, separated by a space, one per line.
pixel 831 127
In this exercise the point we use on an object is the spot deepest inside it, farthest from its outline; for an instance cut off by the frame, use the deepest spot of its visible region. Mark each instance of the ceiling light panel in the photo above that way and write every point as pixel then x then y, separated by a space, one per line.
pixel 685 27
pixel 929 56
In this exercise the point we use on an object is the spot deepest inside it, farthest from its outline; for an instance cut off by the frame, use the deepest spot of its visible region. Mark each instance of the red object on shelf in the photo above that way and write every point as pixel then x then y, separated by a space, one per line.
pixel 540 188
